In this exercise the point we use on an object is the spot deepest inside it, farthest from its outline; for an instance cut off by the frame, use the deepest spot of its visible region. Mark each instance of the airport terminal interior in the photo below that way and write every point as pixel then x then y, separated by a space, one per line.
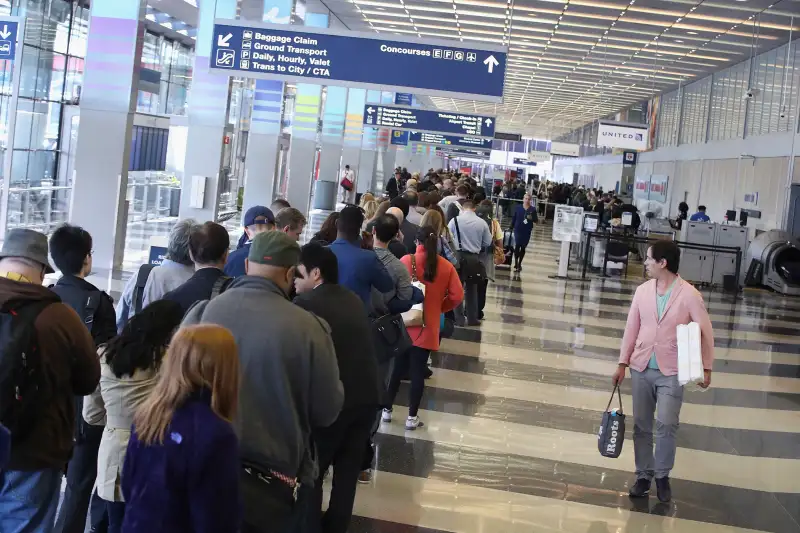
pixel 682 117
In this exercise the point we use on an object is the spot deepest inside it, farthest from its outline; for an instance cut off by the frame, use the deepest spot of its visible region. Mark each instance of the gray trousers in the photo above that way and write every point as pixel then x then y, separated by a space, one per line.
pixel 655 396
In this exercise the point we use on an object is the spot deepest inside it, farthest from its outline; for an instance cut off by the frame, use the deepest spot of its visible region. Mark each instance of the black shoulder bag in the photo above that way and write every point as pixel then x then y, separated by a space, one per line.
pixel 470 266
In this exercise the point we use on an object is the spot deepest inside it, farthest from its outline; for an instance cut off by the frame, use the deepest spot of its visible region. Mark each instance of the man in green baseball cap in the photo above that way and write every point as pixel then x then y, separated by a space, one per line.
pixel 274 256
pixel 290 383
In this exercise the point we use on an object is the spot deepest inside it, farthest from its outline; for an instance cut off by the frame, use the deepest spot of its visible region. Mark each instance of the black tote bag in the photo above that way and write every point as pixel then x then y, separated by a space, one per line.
pixel 612 429
pixel 390 336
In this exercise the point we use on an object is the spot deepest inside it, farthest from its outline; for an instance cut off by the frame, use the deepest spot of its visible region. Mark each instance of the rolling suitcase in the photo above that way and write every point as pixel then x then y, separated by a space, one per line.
pixel 508 247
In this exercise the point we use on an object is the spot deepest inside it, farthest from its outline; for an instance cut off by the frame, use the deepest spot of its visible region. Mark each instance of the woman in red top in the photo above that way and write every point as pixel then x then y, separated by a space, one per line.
pixel 443 292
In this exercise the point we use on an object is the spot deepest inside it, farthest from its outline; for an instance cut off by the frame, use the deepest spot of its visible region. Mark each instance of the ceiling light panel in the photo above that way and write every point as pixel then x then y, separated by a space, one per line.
pixel 571 62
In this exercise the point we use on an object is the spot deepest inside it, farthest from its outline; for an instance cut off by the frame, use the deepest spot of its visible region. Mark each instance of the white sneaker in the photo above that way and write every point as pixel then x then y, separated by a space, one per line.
pixel 386 416
pixel 413 422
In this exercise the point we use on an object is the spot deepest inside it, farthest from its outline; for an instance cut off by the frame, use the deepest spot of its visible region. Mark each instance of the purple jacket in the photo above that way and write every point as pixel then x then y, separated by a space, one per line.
pixel 188 484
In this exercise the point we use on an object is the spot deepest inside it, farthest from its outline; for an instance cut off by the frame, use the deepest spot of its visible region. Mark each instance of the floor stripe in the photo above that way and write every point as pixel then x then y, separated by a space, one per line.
pixel 764 474
pixel 720 440
pixel 605 365
pixel 543 298
pixel 439 505
pixel 500 389
pixel 559 341
pixel 558 479
pixel 601 301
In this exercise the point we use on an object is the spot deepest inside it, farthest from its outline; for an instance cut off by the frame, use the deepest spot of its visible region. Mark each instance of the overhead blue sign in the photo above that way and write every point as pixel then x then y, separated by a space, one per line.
pixel 416 119
pixel 404 99
pixel 400 138
pixel 365 60
pixel 466 152
pixel 9 29
pixel 450 140
pixel 523 161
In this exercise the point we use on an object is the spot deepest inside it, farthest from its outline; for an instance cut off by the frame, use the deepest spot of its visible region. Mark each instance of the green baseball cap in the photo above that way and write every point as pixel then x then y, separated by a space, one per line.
pixel 274 248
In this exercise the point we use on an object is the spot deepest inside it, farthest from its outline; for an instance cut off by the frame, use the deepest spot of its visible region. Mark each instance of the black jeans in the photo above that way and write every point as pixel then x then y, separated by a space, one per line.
pixel 519 253
pixel 81 475
pixel 468 311
pixel 340 445
pixel 482 288
pixel 415 362
pixel 384 375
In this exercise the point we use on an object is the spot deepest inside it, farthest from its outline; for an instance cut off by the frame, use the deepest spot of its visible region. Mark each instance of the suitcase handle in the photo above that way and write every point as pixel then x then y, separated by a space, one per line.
pixel 619 395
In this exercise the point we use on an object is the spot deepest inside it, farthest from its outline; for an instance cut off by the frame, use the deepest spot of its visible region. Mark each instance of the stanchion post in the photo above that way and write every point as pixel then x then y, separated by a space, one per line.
pixel 738 266
pixel 586 254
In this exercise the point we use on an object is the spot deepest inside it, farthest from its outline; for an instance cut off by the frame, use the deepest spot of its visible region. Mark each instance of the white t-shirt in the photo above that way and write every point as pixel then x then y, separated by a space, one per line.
pixel 349 174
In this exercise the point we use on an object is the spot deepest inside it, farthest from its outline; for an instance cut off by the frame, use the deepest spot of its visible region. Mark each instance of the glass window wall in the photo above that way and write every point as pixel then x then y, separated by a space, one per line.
pixel 51 75
pixel 173 61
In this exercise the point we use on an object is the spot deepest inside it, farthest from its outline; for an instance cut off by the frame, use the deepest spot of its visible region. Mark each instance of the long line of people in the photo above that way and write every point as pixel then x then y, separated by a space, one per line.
pixel 227 383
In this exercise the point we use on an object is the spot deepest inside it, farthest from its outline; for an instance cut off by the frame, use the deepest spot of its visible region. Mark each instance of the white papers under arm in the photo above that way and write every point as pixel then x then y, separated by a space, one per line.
pixel 695 353
pixel 683 355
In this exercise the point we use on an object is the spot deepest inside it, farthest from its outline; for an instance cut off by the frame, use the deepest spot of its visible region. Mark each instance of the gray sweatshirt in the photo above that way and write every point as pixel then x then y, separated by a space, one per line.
pixel 290 375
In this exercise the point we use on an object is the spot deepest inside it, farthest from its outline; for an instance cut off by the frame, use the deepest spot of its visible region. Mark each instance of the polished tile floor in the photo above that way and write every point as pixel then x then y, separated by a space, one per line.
pixel 514 405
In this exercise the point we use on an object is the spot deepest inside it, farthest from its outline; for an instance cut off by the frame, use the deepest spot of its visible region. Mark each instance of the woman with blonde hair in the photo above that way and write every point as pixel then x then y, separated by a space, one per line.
pixel 366 197
pixel 182 467
pixel 370 208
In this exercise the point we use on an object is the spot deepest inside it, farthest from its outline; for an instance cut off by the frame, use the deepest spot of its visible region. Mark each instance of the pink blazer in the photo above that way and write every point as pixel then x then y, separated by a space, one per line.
pixel 644 333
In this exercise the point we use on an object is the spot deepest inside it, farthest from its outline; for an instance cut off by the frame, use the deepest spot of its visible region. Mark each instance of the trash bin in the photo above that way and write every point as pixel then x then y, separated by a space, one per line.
pixel 729 283
pixel 325 195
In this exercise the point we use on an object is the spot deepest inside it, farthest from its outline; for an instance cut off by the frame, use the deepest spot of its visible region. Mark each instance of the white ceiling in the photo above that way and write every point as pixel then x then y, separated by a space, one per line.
pixel 573 61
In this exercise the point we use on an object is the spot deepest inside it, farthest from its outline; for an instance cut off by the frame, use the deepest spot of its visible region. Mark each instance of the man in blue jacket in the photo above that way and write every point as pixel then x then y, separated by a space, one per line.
pixel 700 216
pixel 359 270
pixel 257 219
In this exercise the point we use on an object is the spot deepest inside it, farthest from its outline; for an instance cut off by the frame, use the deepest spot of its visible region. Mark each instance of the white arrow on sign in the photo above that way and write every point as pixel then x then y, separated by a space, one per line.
pixel 370 110
pixel 492 62
pixel 5 34
pixel 223 42
pixel 488 122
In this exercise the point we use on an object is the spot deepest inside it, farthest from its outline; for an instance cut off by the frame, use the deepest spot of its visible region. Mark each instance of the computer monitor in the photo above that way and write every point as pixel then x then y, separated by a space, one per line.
pixel 743 218
pixel 731 214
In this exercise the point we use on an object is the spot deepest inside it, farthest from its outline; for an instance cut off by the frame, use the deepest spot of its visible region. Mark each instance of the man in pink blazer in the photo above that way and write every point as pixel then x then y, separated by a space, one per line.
pixel 650 349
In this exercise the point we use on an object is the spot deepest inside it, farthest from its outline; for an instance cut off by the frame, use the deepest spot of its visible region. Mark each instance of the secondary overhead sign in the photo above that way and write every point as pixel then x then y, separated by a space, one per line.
pixel 416 119
pixel 623 135
pixel 565 149
pixel 450 140
pixel 366 60
pixel 539 157
pixel 462 154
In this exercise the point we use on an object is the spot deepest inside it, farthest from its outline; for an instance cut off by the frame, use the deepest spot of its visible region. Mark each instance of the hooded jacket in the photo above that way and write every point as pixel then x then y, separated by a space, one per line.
pixel 290 375
pixel 70 367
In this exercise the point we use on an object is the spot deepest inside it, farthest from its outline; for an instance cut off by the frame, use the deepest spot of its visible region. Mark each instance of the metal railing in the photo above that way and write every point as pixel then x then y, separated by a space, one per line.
pixel 635 239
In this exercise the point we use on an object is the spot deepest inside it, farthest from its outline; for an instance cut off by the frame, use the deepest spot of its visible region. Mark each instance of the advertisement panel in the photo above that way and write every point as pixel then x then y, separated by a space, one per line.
pixel 623 135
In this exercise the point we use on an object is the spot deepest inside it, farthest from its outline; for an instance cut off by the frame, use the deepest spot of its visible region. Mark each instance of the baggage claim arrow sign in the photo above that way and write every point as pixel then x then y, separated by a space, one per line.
pixel 364 60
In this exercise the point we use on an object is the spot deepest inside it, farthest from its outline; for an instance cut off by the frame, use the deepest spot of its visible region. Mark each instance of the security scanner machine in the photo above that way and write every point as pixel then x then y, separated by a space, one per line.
pixel 708 266
pixel 773 260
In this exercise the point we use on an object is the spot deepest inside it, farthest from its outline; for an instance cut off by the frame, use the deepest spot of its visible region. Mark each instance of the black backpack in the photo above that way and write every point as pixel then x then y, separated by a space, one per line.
pixel 20 365
pixel 220 286
pixel 141 282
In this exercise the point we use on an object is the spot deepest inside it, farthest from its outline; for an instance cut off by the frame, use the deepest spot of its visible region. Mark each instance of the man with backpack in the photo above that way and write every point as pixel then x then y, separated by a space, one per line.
pixel 71 249
pixel 47 357
pixel 151 282
pixel 208 247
